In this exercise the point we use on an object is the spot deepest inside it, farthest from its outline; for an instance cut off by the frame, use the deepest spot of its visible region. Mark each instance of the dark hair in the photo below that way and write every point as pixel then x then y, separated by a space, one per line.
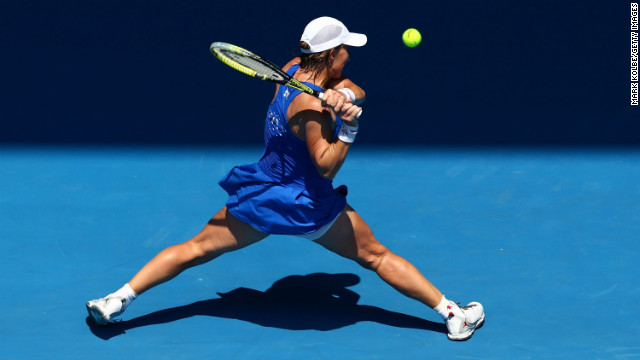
pixel 314 62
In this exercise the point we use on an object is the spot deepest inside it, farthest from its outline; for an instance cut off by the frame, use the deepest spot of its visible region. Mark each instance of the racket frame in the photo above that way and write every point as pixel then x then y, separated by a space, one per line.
pixel 218 50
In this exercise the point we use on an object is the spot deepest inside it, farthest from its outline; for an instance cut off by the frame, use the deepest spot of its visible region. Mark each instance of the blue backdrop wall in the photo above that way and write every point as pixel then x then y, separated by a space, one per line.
pixel 489 72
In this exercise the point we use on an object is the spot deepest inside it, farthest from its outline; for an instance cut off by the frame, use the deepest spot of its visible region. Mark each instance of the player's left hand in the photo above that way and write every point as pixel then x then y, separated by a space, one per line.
pixel 349 114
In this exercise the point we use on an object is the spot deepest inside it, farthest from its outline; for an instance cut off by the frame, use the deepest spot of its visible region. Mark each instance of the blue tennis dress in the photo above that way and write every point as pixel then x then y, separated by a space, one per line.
pixel 283 193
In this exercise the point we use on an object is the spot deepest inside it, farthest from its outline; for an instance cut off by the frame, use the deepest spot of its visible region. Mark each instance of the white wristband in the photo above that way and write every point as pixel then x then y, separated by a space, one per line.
pixel 347 133
pixel 351 96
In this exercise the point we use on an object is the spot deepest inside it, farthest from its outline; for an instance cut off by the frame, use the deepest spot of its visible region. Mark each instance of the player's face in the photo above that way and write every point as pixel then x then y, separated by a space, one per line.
pixel 340 58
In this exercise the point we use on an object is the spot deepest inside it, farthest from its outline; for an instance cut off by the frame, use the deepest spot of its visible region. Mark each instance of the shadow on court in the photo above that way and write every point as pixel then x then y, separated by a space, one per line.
pixel 311 302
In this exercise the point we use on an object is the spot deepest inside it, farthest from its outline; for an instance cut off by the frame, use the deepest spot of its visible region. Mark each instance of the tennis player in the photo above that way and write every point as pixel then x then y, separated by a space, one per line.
pixel 289 191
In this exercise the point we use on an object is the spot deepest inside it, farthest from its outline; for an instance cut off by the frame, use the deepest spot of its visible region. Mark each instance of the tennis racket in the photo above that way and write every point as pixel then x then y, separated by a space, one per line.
pixel 253 65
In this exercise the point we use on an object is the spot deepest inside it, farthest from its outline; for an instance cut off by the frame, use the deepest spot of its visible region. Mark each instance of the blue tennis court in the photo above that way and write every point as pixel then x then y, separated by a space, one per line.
pixel 547 240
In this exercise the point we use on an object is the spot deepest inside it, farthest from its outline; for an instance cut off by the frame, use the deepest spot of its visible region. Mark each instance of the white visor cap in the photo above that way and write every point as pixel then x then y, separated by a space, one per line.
pixel 326 32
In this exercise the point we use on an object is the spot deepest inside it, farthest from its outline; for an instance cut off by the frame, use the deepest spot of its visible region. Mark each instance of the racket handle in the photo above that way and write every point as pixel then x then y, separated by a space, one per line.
pixel 321 95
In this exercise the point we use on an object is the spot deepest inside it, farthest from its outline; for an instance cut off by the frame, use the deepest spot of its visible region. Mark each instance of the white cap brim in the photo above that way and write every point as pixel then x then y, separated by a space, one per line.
pixel 356 39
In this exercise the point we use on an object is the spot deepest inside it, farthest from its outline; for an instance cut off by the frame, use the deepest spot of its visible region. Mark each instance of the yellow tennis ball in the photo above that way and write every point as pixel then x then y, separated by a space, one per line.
pixel 411 37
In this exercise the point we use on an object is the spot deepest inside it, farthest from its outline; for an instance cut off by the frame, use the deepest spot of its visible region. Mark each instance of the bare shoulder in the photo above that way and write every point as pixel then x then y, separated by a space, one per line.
pixel 292 62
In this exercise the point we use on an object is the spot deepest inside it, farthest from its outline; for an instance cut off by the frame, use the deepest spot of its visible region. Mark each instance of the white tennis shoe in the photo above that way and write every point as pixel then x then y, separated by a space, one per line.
pixel 464 320
pixel 103 311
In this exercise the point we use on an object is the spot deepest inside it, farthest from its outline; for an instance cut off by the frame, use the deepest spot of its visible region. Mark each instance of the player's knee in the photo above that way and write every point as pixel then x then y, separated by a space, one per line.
pixel 374 258
pixel 202 248
pixel 196 248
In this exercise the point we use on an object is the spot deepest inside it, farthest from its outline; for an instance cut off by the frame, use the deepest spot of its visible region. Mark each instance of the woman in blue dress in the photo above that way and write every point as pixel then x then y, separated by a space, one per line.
pixel 289 191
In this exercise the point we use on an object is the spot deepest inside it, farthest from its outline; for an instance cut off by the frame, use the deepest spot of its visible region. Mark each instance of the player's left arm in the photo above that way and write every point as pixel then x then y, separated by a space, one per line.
pixel 336 84
pixel 342 83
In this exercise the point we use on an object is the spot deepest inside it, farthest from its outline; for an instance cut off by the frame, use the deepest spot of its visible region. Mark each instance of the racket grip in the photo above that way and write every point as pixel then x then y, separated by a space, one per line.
pixel 321 95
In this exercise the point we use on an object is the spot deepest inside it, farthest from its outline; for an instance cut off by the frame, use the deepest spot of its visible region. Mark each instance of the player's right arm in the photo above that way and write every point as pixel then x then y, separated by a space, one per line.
pixel 312 122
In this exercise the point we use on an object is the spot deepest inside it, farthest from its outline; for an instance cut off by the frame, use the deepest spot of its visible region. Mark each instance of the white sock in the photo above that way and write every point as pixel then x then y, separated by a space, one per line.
pixel 442 308
pixel 127 293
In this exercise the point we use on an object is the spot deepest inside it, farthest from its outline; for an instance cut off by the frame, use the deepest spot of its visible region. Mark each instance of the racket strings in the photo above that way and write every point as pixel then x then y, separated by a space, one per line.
pixel 262 69
pixel 253 65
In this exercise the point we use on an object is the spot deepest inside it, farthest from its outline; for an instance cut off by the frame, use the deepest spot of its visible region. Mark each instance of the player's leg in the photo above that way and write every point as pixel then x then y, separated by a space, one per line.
pixel 223 233
pixel 351 237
